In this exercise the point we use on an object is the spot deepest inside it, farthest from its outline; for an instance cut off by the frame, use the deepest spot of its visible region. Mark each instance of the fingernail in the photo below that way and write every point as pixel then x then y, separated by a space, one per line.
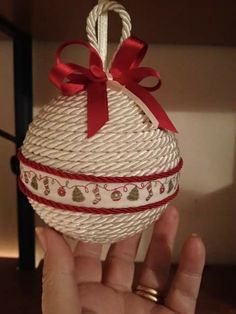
pixel 195 235
pixel 42 238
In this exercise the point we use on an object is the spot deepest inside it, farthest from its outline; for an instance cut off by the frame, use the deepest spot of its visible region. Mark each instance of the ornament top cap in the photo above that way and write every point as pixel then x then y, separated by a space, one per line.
pixel 124 68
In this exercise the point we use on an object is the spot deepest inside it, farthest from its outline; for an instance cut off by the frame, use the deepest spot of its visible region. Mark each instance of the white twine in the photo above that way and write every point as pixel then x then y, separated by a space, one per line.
pixel 102 35
pixel 97 12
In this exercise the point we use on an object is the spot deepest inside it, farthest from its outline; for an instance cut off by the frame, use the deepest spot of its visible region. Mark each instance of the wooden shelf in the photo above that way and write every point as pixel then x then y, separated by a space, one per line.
pixel 205 22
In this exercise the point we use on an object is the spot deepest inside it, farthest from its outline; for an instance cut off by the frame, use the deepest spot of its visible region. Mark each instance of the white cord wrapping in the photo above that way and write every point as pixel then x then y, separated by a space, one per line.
pixel 97 228
pixel 127 145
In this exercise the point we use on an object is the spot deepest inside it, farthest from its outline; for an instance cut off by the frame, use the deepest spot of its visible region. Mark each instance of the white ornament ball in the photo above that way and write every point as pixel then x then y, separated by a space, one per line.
pixel 61 169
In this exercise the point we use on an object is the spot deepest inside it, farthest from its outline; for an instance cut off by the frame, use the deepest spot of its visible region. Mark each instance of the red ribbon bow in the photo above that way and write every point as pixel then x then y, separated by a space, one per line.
pixel 73 78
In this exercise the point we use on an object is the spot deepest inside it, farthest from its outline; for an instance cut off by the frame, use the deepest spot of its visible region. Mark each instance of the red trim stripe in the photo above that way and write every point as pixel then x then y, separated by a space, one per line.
pixel 92 210
pixel 83 177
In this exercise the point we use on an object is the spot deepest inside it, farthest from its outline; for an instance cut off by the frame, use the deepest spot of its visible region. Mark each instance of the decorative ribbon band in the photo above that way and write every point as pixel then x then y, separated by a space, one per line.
pixel 81 194
pixel 94 210
pixel 73 78
pixel 84 177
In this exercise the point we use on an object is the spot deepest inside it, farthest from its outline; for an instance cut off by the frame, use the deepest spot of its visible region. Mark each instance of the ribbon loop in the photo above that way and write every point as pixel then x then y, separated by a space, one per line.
pixel 141 73
pixel 129 55
pixel 72 79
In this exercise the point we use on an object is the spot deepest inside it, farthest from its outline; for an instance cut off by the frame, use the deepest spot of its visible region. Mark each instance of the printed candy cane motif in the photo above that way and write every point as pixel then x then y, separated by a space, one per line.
pixel 150 192
pixel 46 186
pixel 26 178
pixel 97 195
pixel 34 182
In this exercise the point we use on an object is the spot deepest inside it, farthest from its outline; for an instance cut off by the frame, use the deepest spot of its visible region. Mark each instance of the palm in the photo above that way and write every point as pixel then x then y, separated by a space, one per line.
pixel 78 283
pixel 98 298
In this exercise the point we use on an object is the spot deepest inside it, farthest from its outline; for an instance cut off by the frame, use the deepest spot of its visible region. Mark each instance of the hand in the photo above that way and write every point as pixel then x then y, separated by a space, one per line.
pixel 74 283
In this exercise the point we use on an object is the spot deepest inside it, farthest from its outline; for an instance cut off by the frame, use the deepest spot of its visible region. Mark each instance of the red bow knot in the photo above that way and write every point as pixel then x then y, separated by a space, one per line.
pixel 73 78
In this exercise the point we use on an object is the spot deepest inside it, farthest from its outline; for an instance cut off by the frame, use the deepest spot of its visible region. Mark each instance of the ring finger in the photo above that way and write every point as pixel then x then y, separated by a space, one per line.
pixel 156 266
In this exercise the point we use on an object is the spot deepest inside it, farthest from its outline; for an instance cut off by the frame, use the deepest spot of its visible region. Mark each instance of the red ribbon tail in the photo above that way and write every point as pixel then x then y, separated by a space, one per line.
pixel 97 108
pixel 153 106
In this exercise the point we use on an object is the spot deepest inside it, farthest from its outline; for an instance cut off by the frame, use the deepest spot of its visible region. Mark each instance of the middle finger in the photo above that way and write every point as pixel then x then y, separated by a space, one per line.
pixel 88 267
pixel 119 264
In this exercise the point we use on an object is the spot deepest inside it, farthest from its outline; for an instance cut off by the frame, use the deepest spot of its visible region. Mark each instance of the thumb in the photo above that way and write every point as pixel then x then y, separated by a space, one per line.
pixel 60 293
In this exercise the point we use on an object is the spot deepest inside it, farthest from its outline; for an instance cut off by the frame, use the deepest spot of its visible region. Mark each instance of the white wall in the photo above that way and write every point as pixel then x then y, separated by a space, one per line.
pixel 199 93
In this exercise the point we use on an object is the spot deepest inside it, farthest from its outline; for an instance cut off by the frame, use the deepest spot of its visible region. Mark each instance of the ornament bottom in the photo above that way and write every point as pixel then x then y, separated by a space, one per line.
pixel 97 228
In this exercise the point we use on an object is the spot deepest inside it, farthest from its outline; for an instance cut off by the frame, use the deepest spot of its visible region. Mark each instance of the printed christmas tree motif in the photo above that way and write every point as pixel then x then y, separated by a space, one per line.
pixel 150 192
pixel 133 194
pixel 61 191
pixel 46 186
pixel 77 195
pixel 97 195
pixel 34 183
pixel 170 186
pixel 116 195
pixel 162 189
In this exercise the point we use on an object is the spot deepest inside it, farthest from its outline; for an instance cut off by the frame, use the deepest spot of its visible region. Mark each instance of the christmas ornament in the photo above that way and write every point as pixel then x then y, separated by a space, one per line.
pixel 162 189
pixel 116 195
pixel 61 191
pixel 102 156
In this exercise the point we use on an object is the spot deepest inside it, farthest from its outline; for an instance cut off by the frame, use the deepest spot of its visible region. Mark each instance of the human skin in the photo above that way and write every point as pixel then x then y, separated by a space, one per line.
pixel 76 283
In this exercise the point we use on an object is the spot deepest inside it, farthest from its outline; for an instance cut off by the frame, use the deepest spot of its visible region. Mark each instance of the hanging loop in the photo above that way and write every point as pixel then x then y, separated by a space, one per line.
pixel 100 9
